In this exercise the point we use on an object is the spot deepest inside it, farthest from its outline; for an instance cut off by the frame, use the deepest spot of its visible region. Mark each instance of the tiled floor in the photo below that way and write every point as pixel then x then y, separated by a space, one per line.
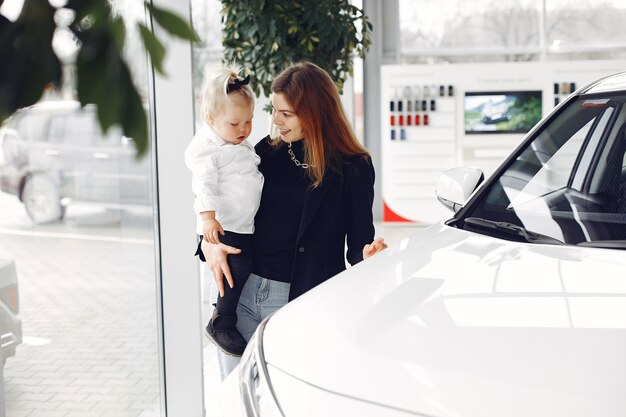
pixel 90 335
pixel 88 308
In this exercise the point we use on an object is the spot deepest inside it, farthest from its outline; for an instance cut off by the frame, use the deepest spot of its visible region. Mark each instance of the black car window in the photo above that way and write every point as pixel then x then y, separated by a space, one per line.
pixel 568 183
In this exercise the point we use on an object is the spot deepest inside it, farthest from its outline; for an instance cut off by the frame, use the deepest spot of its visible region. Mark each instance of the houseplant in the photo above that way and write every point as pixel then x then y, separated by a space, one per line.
pixel 29 64
pixel 265 36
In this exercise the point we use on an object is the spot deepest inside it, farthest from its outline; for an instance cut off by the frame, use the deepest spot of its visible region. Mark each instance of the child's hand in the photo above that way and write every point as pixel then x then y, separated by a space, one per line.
pixel 211 229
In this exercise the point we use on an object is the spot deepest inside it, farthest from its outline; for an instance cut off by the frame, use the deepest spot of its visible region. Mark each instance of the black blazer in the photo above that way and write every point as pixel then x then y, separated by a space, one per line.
pixel 340 209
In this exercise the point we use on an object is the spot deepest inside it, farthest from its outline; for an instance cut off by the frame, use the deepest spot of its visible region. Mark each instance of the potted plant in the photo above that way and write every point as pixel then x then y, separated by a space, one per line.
pixel 266 36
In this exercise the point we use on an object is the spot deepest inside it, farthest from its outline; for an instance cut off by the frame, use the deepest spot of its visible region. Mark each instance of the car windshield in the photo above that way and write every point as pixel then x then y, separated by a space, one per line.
pixel 567 185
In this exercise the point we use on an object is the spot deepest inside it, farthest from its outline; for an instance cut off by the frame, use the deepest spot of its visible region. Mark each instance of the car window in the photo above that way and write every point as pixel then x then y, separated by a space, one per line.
pixel 56 129
pixel 82 129
pixel 32 125
pixel 569 182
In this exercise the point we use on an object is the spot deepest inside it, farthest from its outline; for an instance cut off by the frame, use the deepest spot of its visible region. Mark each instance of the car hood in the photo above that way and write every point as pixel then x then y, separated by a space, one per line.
pixel 452 323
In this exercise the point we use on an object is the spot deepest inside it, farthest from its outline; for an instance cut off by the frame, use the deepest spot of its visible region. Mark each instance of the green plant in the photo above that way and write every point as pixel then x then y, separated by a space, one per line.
pixel 266 36
pixel 29 65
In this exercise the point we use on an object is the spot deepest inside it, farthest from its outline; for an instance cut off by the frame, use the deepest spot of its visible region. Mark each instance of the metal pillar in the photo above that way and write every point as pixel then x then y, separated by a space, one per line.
pixel 385 17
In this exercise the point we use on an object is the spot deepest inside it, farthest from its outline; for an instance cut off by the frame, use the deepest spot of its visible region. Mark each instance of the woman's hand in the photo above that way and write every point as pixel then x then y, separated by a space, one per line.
pixel 376 246
pixel 215 256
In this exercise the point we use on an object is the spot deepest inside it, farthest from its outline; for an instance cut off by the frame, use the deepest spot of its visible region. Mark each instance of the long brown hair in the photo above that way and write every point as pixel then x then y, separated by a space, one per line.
pixel 313 96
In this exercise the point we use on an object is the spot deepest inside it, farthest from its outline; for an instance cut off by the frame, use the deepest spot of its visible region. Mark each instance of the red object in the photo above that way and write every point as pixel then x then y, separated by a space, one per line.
pixel 425 119
pixel 393 120
pixel 408 120
pixel 390 216
pixel 401 120
pixel 417 120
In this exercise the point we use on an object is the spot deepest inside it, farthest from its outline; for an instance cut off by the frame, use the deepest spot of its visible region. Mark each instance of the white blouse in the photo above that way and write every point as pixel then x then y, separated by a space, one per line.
pixel 225 179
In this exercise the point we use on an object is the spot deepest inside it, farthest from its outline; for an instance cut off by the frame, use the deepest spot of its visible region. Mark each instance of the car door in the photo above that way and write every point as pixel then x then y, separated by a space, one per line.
pixel 96 167
pixel 136 184
pixel 34 152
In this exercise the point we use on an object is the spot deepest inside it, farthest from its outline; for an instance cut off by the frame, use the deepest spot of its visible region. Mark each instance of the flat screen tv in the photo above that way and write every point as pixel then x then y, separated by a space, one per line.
pixel 501 111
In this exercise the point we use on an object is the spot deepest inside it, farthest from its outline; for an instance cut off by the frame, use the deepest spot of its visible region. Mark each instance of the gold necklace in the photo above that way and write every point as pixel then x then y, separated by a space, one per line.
pixel 295 160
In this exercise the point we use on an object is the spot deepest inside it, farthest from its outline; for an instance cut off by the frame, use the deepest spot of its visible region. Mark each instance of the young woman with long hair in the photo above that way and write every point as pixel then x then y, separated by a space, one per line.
pixel 317 198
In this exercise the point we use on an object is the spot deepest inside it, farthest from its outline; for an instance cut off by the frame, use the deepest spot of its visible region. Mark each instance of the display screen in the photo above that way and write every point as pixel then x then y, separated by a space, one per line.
pixel 501 111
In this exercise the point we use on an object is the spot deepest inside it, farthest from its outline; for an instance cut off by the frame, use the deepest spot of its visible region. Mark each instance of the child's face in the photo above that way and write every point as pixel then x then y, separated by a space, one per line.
pixel 234 123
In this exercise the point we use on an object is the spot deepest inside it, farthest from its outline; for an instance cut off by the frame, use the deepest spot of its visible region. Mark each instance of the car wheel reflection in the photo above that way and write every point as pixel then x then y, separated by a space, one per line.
pixel 42 199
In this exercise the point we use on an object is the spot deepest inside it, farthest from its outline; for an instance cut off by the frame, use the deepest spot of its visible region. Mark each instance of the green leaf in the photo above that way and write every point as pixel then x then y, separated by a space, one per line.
pixel 172 23
pixel 132 114
pixel 119 32
pixel 96 81
pixel 154 47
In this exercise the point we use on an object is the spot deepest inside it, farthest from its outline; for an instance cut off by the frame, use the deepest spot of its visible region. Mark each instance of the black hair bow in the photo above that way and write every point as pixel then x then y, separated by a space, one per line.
pixel 237 84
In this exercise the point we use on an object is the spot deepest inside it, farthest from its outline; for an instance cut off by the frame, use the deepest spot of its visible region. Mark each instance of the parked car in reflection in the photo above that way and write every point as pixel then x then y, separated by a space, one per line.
pixel 55 154
pixel 516 306
pixel 10 323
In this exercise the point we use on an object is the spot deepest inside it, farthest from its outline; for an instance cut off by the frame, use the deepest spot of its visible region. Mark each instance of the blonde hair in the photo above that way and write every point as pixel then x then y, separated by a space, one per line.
pixel 215 97
pixel 312 94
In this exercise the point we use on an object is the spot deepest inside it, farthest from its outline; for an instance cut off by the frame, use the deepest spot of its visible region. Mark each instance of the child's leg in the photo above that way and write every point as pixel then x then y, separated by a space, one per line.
pixel 240 268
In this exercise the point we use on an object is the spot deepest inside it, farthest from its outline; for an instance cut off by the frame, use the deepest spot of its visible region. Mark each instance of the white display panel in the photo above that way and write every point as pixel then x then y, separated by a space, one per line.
pixel 436 117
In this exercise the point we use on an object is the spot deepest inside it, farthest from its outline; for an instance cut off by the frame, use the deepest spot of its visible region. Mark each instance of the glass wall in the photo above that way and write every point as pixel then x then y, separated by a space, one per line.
pixel 207 56
pixel 511 30
pixel 585 30
pixel 78 286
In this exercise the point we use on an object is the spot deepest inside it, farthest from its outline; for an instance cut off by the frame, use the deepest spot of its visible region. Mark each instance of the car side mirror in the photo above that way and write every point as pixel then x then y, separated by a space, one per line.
pixel 456 185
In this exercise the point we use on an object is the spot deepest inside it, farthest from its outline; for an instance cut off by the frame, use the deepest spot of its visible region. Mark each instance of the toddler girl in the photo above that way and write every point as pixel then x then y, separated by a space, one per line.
pixel 227 186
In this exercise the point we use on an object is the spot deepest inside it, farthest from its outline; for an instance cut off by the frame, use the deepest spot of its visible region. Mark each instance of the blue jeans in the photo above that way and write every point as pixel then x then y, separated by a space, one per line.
pixel 260 298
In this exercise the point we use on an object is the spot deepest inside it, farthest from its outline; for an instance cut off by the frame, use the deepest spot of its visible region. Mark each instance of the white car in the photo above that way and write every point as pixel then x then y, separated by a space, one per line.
pixel 514 307
pixel 55 154
pixel 10 323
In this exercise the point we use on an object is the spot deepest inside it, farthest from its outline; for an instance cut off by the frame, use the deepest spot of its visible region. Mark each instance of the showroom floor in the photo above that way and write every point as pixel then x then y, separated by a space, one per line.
pixel 87 294
pixel 392 233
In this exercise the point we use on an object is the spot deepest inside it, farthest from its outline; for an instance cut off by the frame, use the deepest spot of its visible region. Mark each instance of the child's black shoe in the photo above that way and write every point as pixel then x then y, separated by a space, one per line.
pixel 222 331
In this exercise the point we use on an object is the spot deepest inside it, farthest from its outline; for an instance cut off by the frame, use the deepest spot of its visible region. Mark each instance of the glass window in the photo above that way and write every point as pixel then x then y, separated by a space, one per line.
pixel 572 24
pixel 56 129
pixel 31 126
pixel 206 57
pixel 569 182
pixel 83 128
pixel 510 30
pixel 78 287
pixel 480 24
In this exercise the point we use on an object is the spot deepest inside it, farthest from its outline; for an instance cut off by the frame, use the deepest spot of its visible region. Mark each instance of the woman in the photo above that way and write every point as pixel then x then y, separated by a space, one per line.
pixel 317 196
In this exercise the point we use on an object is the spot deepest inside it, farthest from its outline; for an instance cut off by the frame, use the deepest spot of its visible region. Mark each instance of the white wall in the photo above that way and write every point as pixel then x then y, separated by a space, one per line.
pixel 411 166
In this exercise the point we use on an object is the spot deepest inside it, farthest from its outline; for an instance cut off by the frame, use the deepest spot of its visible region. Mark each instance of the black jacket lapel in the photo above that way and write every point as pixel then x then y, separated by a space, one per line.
pixel 312 203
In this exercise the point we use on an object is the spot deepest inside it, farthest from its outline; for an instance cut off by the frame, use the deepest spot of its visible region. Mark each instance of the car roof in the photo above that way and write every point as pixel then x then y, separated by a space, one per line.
pixel 610 84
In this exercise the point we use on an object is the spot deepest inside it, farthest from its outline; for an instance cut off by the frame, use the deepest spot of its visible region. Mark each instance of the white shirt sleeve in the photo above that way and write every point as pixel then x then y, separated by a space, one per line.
pixel 202 159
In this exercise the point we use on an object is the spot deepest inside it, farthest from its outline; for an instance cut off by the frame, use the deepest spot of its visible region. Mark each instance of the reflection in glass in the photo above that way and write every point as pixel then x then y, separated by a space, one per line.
pixel 77 263
pixel 569 183
pixel 508 30
pixel 572 24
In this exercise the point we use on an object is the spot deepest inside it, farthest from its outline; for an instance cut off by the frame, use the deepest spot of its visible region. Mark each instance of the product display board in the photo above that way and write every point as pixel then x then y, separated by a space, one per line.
pixel 437 117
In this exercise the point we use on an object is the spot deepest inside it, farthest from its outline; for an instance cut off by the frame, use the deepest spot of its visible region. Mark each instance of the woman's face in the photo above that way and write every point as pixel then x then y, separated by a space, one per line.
pixel 286 120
